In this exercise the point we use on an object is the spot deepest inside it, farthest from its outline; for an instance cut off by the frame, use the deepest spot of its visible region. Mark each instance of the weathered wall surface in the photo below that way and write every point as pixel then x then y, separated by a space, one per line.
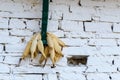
pixel 88 27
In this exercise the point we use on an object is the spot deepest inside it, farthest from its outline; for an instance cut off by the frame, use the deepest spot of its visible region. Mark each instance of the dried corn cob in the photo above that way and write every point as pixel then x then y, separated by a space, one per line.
pixel 61 43
pixel 58 56
pixel 27 49
pixel 50 41
pixel 52 56
pixel 33 47
pixel 41 47
pixel 57 47
pixel 42 58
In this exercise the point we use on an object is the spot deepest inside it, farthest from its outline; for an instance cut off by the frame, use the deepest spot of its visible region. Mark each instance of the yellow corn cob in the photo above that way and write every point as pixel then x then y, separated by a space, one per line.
pixel 35 53
pixel 58 56
pixel 33 37
pixel 50 41
pixel 33 46
pixel 39 36
pixel 41 47
pixel 57 47
pixel 42 58
pixel 52 56
pixel 27 49
pixel 61 43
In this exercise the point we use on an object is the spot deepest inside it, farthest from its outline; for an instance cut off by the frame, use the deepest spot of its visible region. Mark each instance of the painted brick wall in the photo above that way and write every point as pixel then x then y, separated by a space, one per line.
pixel 88 27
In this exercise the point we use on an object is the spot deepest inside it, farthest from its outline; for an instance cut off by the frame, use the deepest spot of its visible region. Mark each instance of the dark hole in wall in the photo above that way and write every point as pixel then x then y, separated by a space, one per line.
pixel 77 60
pixel 22 40
pixel 51 1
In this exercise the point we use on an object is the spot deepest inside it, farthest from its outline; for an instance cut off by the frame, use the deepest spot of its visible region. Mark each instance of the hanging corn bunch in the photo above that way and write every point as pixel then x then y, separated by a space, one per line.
pixel 46 43
pixel 52 50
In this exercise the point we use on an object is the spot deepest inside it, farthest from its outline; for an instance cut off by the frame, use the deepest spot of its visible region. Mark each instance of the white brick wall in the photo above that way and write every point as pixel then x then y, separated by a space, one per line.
pixel 88 27
pixel 98 27
pixel 68 26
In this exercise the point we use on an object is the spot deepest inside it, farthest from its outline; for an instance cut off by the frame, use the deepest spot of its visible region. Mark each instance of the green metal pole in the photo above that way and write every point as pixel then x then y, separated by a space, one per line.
pixel 45 9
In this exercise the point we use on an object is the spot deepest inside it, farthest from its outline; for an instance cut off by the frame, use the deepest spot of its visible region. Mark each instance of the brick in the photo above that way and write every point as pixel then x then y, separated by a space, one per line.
pixel 71 34
pixel 15 47
pixel 4 32
pixel 76 16
pixel 80 13
pixel 74 76
pixel 4 68
pixel 80 50
pixel 71 69
pixel 56 15
pixel 118 42
pixel 73 2
pixel 109 15
pixel 59 2
pixel 98 61
pixel 74 51
pixel 11 60
pixel 109 36
pixel 1 58
pixel 27 69
pixel 17 23
pixel 45 76
pixel 28 77
pixel 102 68
pixel 10 9
pixel 58 8
pixel 100 3
pixel 66 2
pixel 17 32
pixel 33 25
pixel 116 28
pixel 96 17
pixel 1 48
pixel 98 76
pixel 52 25
pixel 82 35
pixel 83 10
pixel 110 50
pixel 115 76
pixel 74 42
pixel 108 18
pixel 116 60
pixel 68 26
pixel 113 12
pixel 3 23
pixel 52 77
pixel 90 3
pixel 59 33
pixel 5 77
pixel 62 62
pixel 102 42
pixel 10 39
pixel 86 35
pixel 98 27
